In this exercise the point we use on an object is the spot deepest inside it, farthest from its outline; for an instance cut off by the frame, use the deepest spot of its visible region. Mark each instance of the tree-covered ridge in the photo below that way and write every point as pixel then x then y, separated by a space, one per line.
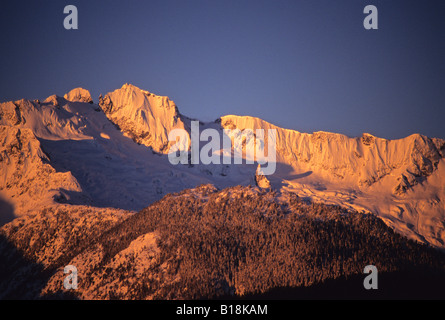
pixel 244 240
pixel 209 243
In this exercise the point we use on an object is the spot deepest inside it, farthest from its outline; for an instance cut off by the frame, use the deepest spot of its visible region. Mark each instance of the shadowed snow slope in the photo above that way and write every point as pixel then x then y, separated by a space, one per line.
pixel 114 154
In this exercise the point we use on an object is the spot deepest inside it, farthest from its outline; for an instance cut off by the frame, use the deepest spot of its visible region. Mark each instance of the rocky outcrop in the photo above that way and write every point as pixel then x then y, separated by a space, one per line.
pixel 79 95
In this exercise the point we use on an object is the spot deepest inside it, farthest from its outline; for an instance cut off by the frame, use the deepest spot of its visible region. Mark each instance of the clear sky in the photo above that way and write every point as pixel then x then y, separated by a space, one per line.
pixel 307 65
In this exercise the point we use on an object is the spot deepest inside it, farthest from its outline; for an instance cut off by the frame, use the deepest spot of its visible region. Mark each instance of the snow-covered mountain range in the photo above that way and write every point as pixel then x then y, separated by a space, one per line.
pixel 113 154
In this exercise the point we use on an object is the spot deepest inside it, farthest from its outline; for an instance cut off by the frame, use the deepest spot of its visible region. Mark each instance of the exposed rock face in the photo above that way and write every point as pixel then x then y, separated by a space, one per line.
pixel 261 180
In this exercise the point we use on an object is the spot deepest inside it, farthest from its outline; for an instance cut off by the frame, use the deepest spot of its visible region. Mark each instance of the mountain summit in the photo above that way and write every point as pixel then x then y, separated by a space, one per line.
pixel 145 117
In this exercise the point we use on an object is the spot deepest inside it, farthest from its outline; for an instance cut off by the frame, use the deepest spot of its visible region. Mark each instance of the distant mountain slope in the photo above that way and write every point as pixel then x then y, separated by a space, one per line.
pixel 114 154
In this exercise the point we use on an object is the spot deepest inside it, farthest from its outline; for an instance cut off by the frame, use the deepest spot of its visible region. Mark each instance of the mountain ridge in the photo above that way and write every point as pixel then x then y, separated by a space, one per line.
pixel 400 180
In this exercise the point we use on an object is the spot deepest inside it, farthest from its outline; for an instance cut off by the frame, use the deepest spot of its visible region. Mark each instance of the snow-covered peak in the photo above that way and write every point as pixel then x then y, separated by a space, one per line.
pixel 143 116
pixel 79 95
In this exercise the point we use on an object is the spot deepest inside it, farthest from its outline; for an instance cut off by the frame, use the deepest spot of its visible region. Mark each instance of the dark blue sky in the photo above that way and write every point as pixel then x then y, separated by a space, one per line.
pixel 306 65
